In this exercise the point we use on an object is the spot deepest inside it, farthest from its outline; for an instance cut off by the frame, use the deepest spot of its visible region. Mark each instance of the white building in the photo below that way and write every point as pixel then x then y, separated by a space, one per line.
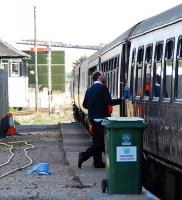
pixel 15 62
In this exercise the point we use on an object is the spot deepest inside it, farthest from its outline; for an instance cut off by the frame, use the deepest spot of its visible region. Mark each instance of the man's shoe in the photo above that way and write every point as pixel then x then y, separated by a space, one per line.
pixel 80 159
pixel 100 165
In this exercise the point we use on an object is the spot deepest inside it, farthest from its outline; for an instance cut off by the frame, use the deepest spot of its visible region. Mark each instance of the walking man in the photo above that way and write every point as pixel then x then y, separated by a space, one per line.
pixel 97 99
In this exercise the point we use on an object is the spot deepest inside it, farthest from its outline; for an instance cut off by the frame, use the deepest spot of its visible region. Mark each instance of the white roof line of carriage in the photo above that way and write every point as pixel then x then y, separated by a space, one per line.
pixel 156 28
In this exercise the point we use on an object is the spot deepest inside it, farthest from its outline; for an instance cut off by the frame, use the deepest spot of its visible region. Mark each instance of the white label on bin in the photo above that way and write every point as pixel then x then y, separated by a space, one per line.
pixel 126 154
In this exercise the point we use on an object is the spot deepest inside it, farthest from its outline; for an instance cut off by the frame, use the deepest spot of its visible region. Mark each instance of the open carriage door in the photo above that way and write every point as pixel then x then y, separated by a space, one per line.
pixel 124 62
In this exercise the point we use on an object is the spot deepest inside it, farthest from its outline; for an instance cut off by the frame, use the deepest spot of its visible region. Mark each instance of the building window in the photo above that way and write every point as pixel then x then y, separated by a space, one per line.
pixel 4 64
pixel 15 68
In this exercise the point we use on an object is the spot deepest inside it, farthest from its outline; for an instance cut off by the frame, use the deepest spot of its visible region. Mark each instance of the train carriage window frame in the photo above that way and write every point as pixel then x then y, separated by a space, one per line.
pixel 114 83
pixel 168 70
pixel 91 70
pixel 116 62
pixel 116 74
pixel 102 67
pixel 110 68
pixel 156 71
pixel 110 83
pixel 178 87
pixel 139 73
pixel 133 61
pixel 147 71
pixel 110 71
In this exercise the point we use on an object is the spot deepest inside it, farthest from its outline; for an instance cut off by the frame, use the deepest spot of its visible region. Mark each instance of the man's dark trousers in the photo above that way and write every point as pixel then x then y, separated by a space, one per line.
pixel 97 146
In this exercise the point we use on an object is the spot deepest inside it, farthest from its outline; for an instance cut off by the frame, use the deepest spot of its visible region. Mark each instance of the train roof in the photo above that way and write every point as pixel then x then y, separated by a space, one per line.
pixel 122 38
pixel 163 19
pixel 8 51
pixel 93 56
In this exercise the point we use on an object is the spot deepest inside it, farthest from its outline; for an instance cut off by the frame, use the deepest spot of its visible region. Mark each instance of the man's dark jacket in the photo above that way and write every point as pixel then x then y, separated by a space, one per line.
pixel 97 99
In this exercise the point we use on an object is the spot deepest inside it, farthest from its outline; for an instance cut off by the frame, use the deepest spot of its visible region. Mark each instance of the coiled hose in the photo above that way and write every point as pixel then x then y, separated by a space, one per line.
pixel 10 146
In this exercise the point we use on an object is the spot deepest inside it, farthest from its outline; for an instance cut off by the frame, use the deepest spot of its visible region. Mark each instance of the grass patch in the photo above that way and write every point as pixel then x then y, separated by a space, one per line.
pixel 42 117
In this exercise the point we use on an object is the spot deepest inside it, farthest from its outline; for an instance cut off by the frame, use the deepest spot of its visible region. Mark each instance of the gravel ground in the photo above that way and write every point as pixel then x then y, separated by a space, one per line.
pixel 61 184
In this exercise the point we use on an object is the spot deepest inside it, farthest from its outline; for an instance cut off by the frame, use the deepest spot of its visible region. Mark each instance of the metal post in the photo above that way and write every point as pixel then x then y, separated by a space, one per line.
pixel 36 70
pixel 49 78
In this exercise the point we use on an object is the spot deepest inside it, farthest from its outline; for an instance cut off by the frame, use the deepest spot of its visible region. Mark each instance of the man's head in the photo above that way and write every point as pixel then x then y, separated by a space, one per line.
pixel 98 76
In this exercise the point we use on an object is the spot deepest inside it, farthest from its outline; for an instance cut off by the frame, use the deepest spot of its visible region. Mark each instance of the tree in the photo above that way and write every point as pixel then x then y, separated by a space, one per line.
pixel 79 61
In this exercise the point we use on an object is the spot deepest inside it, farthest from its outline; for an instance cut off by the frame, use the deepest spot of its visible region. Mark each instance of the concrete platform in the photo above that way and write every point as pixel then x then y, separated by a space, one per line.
pixel 75 140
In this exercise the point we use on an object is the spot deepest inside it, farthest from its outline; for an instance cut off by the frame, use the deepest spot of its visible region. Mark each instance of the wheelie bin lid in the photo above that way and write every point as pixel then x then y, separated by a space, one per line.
pixel 124 122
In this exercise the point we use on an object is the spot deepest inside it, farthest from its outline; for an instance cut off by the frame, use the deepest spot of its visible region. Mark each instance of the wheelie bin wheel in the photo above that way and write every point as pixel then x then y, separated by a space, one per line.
pixel 104 185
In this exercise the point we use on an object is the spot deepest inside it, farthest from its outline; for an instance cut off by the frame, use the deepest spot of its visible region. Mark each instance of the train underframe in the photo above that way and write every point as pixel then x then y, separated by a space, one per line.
pixel 161 178
pixel 80 116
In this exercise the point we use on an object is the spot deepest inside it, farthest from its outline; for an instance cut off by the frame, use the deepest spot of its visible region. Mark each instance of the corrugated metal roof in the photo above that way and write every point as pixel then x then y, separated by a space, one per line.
pixel 162 19
pixel 8 51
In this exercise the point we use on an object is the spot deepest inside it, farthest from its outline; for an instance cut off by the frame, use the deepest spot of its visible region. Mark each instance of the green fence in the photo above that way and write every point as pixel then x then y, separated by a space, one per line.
pixel 57 68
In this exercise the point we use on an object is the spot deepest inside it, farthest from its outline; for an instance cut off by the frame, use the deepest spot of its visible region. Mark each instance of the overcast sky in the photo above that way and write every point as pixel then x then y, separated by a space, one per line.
pixel 75 21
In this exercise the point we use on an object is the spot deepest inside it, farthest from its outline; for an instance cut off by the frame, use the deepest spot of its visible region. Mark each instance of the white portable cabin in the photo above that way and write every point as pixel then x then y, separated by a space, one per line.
pixel 14 62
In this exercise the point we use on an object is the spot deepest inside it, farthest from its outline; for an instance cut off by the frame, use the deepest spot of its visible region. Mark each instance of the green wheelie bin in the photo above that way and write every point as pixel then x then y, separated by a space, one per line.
pixel 123 152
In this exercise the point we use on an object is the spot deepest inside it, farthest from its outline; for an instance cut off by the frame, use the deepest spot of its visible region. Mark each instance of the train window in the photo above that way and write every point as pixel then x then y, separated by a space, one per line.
pixel 179 80
pixel 111 63
pixel 148 54
pixel 90 72
pixel 116 62
pixel 140 55
pixel 138 80
pixel 107 78
pixel 115 75
pixel 147 71
pixel 178 70
pixel 110 69
pixel 158 51
pixel 106 66
pixel 111 82
pixel 102 67
pixel 169 49
pixel 132 71
pixel 157 71
pixel 168 68
pixel 179 54
pixel 147 78
pixel 114 83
